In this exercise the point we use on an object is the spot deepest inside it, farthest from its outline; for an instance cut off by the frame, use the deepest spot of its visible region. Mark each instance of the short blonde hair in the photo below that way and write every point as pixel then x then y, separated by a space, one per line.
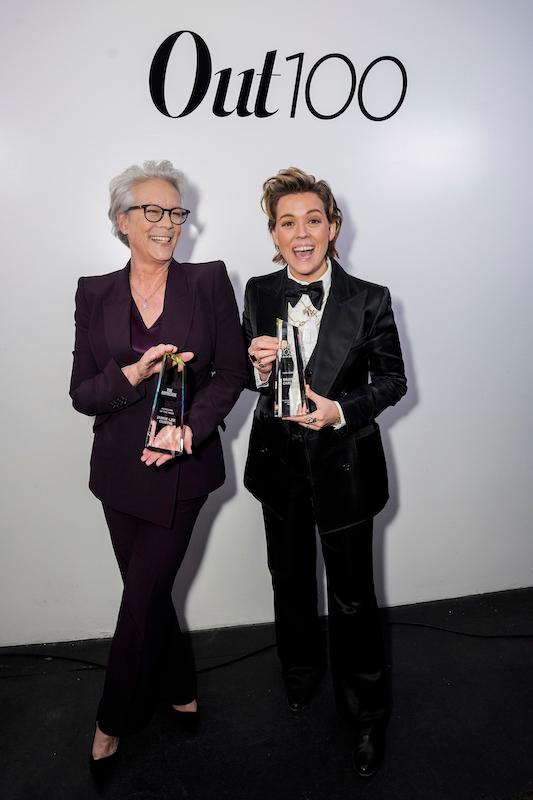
pixel 294 181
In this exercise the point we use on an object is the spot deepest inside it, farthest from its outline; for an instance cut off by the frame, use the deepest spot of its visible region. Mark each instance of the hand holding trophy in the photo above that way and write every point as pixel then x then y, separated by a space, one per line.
pixel 166 432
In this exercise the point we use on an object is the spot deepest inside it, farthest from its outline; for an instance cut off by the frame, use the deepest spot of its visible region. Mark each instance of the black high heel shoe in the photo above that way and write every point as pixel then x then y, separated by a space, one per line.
pixel 188 721
pixel 101 768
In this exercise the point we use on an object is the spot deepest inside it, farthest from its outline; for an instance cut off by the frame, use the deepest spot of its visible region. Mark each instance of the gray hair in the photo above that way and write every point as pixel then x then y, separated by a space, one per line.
pixel 121 188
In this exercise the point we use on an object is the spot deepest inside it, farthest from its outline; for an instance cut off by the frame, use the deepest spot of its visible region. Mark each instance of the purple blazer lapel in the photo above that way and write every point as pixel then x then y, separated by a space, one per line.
pixel 179 307
pixel 117 317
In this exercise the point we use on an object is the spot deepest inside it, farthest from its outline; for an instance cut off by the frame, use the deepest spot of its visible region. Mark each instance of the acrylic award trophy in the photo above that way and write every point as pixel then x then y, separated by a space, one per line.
pixel 165 431
pixel 289 382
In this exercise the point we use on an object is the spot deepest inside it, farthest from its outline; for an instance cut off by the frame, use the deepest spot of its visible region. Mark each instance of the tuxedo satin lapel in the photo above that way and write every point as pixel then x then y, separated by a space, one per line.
pixel 341 324
pixel 179 308
pixel 117 320
pixel 271 304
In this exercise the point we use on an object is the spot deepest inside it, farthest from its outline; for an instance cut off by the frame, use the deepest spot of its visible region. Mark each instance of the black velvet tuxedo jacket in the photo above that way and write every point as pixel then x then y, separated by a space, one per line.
pixel 200 315
pixel 357 361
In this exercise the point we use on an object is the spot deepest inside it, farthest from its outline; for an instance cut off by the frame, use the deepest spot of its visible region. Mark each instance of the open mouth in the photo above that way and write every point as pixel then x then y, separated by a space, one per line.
pixel 161 239
pixel 304 253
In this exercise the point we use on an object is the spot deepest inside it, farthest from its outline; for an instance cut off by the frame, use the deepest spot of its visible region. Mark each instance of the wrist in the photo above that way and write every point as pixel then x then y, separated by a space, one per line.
pixel 340 421
pixel 132 373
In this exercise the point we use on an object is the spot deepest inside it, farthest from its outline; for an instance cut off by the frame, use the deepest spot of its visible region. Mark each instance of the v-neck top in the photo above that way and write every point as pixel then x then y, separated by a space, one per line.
pixel 142 338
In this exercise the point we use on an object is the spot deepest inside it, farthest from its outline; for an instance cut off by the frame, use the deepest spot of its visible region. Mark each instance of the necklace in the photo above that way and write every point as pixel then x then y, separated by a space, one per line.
pixel 146 300
pixel 309 310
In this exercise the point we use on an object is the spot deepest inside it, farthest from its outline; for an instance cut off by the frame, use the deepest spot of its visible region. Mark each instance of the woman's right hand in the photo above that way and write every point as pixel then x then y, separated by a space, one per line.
pixel 150 363
pixel 262 352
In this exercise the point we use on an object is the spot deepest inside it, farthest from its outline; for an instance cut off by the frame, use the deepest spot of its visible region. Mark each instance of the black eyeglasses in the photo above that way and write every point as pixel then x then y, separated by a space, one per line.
pixel 155 213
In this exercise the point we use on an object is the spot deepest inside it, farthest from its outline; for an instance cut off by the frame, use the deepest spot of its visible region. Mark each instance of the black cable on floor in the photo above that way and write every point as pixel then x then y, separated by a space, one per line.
pixel 239 658
pixel 49 657
pixel 464 633
pixel 252 653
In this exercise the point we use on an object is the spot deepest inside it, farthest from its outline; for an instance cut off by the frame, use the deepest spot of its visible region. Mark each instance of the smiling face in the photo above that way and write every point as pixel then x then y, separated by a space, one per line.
pixel 302 233
pixel 151 242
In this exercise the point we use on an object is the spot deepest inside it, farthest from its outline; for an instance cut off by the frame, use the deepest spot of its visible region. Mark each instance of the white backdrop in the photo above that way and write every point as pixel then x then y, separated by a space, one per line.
pixel 438 207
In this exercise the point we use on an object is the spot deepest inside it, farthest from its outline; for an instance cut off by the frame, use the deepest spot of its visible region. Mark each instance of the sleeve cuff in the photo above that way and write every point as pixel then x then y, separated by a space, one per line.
pixel 342 421
pixel 259 382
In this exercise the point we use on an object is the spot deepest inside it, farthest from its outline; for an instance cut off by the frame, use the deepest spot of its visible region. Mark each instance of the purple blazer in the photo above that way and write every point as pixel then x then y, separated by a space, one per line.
pixel 200 314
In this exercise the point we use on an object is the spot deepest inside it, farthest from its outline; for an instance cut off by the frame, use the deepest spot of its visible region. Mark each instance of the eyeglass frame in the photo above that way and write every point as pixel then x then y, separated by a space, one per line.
pixel 168 210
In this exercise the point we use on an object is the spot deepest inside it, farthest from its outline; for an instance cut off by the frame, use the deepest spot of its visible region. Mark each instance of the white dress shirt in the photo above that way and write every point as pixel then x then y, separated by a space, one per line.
pixel 309 327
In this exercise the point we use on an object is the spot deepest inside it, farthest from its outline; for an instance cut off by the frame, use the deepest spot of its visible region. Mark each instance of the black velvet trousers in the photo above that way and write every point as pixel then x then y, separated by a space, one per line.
pixel 354 625
pixel 149 658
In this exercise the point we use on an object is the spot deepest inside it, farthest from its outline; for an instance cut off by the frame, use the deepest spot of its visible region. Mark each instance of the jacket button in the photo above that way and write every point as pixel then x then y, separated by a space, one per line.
pixel 346 467
pixel 263 451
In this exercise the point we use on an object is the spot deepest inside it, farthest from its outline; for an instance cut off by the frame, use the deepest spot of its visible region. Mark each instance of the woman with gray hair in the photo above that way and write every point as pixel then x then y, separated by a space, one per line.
pixel 126 323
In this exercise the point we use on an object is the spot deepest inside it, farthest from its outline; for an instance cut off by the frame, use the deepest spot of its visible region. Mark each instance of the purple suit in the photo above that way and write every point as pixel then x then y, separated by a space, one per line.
pixel 151 511
pixel 200 315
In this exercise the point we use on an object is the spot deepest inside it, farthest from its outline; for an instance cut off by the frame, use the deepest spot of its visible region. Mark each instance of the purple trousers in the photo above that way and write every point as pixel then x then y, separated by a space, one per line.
pixel 149 660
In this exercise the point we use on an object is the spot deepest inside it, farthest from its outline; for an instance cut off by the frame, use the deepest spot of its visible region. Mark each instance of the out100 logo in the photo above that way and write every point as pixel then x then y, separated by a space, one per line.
pixel 246 106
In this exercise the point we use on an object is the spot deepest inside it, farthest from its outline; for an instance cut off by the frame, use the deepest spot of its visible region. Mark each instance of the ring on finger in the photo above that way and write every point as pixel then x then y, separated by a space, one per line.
pixel 252 358
pixel 310 420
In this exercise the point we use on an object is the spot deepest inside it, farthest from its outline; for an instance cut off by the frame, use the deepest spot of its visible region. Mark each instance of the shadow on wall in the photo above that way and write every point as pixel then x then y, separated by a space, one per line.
pixel 195 553
pixel 192 228
pixel 345 244
pixel 235 423
pixel 347 235
pixel 386 422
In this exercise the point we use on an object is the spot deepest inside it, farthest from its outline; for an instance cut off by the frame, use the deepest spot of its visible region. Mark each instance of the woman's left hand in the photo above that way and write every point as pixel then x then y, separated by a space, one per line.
pixel 326 412
pixel 149 457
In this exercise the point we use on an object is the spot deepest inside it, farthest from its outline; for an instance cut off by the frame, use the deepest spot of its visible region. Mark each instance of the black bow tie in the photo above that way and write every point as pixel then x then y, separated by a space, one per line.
pixel 295 290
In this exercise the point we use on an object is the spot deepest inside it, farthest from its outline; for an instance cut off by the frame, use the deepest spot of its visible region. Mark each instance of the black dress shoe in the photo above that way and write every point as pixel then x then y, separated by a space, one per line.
pixel 368 750
pixel 295 705
pixel 301 684
pixel 299 698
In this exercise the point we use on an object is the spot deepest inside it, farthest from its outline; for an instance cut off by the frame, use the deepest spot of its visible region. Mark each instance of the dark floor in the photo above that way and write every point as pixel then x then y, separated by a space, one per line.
pixel 461 725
